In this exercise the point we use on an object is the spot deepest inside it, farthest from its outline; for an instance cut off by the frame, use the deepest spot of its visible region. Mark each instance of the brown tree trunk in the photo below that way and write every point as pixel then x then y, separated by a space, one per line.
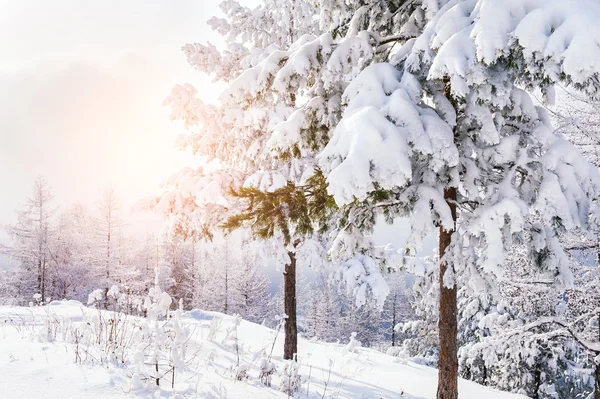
pixel 290 345
pixel 448 362
pixel 448 324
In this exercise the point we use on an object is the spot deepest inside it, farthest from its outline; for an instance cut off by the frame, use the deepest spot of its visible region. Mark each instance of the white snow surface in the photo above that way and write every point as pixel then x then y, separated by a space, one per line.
pixel 35 367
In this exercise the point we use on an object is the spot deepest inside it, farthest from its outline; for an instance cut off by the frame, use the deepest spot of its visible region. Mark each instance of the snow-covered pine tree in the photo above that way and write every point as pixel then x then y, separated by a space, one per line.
pixel 282 99
pixel 446 135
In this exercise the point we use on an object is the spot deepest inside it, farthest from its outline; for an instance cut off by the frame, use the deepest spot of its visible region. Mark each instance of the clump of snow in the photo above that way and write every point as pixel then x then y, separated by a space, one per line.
pixel 95 296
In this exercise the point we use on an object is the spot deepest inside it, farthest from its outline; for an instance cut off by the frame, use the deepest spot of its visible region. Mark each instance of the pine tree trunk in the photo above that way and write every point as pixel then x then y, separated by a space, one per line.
pixel 290 346
pixel 448 324
pixel 448 362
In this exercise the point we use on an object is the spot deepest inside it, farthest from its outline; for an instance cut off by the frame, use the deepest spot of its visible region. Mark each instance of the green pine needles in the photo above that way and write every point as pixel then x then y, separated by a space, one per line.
pixel 293 210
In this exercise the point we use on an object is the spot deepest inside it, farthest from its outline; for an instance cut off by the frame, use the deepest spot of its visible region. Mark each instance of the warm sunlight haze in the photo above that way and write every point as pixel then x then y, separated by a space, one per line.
pixel 81 91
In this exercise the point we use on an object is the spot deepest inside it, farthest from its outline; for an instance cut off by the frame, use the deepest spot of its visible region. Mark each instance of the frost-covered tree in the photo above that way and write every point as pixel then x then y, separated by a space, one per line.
pixel 329 313
pixel 397 309
pixel 576 116
pixel 320 310
pixel 144 259
pixel 13 288
pixel 71 255
pixel 252 285
pixel 176 257
pixel 224 275
pixel 31 236
pixel 109 235
pixel 445 134
pixel 422 332
pixel 217 272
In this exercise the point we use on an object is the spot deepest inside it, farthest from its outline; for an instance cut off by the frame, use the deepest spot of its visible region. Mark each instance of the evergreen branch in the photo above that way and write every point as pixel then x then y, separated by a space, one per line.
pixel 291 210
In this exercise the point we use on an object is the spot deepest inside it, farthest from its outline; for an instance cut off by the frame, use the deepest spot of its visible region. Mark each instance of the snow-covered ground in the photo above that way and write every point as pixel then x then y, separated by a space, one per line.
pixel 33 364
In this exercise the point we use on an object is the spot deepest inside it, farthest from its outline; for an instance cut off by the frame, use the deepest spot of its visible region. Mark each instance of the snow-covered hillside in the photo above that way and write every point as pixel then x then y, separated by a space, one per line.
pixel 38 360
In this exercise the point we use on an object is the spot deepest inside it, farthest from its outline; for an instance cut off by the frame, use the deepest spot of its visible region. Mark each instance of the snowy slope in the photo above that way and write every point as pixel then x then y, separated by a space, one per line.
pixel 34 367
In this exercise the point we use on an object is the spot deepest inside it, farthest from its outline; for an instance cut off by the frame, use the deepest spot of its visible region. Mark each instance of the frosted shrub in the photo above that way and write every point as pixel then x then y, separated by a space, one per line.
pixel 290 378
pixel 37 300
pixel 267 369
pixel 215 324
pixel 95 297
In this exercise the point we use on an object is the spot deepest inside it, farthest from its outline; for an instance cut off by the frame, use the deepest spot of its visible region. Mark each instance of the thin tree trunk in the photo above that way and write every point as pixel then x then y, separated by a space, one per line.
pixel 394 319
pixel 108 251
pixel 44 280
pixel 448 362
pixel 39 277
pixel 448 324
pixel 226 280
pixel 597 384
pixel 290 346
pixel 537 381
pixel 597 370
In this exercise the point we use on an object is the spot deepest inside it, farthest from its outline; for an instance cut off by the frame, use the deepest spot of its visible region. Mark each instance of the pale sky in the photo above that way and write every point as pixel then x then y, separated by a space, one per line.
pixel 81 88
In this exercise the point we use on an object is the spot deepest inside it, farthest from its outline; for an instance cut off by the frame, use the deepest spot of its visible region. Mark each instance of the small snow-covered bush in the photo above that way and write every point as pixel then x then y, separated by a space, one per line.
pixel 290 378
pixel 267 369
pixel 354 343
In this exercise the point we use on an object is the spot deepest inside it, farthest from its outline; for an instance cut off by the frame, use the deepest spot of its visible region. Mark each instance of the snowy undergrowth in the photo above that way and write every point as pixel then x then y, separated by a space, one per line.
pixel 71 350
